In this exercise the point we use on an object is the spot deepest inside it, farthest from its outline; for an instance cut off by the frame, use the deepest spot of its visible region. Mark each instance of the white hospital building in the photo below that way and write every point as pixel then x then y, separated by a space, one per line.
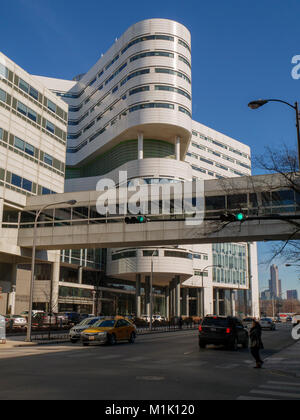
pixel 132 111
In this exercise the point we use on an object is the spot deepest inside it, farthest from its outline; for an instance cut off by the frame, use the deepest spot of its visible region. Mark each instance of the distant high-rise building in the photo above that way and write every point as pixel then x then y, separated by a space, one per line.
pixel 275 283
pixel 292 294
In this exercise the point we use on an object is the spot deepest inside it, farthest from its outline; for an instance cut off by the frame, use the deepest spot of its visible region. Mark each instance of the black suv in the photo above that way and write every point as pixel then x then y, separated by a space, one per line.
pixel 218 330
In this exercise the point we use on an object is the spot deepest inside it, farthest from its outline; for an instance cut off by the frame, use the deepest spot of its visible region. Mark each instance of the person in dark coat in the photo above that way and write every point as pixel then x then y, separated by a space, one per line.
pixel 256 343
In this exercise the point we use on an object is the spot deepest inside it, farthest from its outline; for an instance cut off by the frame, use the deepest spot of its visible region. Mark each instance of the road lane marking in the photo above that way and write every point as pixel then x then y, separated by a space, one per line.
pixel 228 366
pixel 244 398
pixel 283 383
pixel 276 394
pixel 135 359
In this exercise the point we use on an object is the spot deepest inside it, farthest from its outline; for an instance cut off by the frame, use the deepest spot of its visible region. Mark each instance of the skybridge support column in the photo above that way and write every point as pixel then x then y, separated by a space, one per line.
pixel 55 270
pixel 232 297
pixel 167 296
pixel 177 296
pixel 147 295
pixel 138 296
pixel 140 146
pixel 177 148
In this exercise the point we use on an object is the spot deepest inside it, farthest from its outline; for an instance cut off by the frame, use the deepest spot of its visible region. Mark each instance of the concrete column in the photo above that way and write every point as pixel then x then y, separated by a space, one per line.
pixel 80 269
pixel 140 146
pixel 184 309
pixel 198 302
pixel 55 272
pixel 147 295
pixel 173 313
pixel 12 293
pixel 1 210
pixel 167 297
pixel 177 148
pixel 94 310
pixel 177 296
pixel 217 302
pixel 138 301
pixel 232 296
pixel 171 299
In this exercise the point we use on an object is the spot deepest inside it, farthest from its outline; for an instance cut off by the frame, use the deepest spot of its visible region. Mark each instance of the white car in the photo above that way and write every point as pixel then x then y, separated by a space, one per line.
pixel 268 323
pixel 296 320
pixel 18 321
pixel 158 318
pixel 76 331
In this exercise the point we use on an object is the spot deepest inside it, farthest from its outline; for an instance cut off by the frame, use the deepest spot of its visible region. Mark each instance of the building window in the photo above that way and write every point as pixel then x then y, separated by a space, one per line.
pixel 150 253
pixel 16 180
pixel 3 71
pixel 50 127
pixel 122 255
pixel 51 105
pixel 34 93
pixel 179 254
pixel 48 159
pixel 152 54
pixel 23 85
pixel 173 89
pixel 185 111
pixel 140 89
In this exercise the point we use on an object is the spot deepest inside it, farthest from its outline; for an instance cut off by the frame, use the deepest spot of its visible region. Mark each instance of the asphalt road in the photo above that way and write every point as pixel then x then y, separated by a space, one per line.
pixel 157 367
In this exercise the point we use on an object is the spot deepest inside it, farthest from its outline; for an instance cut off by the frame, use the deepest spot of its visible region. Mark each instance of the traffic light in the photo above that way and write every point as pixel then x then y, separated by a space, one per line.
pixel 230 217
pixel 135 219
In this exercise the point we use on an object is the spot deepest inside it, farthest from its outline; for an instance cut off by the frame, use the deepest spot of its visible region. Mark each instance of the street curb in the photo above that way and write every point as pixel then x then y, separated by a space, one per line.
pixel 64 341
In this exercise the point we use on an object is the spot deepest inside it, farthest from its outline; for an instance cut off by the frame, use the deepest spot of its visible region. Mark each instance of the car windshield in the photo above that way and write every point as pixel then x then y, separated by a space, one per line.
pixel 88 321
pixel 109 323
pixel 266 320
pixel 219 322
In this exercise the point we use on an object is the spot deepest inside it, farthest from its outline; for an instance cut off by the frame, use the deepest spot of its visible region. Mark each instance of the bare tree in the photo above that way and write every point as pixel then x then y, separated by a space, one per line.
pixel 285 163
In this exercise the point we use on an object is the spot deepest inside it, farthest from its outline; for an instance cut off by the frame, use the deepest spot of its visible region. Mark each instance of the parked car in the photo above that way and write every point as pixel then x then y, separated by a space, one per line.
pixel 109 331
pixel 62 319
pixel 76 331
pixel 268 323
pixel 18 321
pixel 158 318
pixel 221 330
pixel 43 318
pixel 296 320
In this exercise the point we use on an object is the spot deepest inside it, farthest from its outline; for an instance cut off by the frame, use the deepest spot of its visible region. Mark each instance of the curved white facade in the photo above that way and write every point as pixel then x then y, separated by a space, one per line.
pixel 132 111
pixel 146 89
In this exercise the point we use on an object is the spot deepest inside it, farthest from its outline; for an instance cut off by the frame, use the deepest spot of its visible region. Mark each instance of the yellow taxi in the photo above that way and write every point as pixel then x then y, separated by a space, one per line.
pixel 109 331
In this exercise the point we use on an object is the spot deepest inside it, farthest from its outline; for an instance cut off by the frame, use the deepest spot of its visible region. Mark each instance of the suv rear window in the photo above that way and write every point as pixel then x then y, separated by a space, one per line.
pixel 219 322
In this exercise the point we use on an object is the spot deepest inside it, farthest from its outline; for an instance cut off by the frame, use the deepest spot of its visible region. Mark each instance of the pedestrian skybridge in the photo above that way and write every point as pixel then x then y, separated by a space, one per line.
pixel 270 205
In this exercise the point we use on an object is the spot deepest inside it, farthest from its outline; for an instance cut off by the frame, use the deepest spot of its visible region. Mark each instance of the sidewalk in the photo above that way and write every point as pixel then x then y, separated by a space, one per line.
pixel 19 341
pixel 287 361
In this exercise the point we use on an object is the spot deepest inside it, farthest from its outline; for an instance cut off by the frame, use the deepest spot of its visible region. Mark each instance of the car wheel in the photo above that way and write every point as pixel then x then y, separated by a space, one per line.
pixel 202 345
pixel 111 339
pixel 132 338
pixel 73 340
pixel 85 344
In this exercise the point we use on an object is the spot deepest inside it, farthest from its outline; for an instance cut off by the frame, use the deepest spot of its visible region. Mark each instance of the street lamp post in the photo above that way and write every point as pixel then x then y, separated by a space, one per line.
pixel 29 324
pixel 261 102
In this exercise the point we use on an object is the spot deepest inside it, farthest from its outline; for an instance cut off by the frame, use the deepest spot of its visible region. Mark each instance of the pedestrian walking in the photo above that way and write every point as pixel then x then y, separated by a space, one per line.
pixel 256 343
pixel 180 323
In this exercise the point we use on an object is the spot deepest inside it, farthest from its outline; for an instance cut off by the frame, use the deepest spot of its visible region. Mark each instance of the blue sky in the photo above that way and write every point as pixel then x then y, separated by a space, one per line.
pixel 242 50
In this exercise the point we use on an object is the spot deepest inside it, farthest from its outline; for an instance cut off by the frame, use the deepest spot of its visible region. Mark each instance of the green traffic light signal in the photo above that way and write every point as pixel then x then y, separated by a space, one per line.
pixel 240 217
pixel 141 219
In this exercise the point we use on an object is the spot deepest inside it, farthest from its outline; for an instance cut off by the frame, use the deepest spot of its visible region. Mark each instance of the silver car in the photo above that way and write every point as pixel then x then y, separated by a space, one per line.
pixel 268 323
pixel 75 331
